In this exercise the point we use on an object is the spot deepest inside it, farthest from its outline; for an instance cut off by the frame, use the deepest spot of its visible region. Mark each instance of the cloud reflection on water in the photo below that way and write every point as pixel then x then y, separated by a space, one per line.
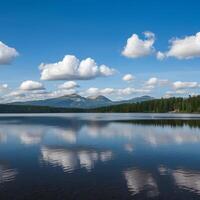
pixel 3 137
pixel 185 179
pixel 7 174
pixel 71 160
pixel 71 144
pixel 72 131
pixel 140 181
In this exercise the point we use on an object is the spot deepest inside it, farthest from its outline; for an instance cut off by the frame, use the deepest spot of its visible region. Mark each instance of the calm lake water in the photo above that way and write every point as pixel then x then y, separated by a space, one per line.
pixel 99 156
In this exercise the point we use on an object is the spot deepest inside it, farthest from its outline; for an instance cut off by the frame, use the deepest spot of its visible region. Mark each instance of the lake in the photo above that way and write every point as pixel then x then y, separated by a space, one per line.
pixel 99 156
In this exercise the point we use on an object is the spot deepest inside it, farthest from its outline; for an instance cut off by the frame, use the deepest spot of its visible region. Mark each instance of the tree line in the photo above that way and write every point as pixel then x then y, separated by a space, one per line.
pixel 163 105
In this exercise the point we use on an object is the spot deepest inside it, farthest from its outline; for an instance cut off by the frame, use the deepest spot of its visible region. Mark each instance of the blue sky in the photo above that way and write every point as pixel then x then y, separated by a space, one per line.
pixel 46 31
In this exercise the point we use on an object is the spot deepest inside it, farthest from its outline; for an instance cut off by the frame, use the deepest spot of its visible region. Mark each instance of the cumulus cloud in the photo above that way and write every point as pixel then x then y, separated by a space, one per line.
pixel 116 92
pixel 128 77
pixel 70 68
pixel 136 47
pixel 182 89
pixel 7 54
pixel 185 48
pixel 4 88
pixel 68 85
pixel 180 92
pixel 154 81
pixel 184 85
pixel 31 85
pixel 30 95
pixel 160 55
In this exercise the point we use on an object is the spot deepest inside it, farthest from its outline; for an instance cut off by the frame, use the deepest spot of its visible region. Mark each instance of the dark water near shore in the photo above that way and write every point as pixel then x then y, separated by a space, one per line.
pixel 99 157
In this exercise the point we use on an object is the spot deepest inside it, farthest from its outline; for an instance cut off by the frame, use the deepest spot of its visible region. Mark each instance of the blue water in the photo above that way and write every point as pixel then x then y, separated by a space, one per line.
pixel 99 156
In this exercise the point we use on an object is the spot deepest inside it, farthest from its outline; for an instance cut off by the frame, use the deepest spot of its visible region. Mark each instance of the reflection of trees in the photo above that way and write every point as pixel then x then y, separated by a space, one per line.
pixel 71 159
pixel 165 122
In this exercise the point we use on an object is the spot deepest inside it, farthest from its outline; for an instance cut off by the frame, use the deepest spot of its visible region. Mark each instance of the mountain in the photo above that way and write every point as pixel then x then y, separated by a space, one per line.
pixel 77 101
pixel 99 101
pixel 136 99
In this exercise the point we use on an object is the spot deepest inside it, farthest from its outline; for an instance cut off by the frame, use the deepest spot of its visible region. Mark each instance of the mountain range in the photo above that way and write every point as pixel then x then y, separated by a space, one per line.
pixel 77 101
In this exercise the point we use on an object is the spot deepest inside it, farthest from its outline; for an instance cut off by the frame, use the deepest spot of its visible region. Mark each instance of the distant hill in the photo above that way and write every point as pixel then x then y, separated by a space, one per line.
pixel 135 100
pixel 77 101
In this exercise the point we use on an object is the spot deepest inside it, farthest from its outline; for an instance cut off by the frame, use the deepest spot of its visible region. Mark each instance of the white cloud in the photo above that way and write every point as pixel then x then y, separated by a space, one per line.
pixel 4 88
pixel 31 85
pixel 180 92
pixel 30 95
pixel 68 85
pixel 70 68
pixel 14 95
pixel 97 91
pixel 160 55
pixel 185 48
pixel 136 47
pixel 128 77
pixel 115 92
pixel 184 85
pixel 7 54
pixel 154 81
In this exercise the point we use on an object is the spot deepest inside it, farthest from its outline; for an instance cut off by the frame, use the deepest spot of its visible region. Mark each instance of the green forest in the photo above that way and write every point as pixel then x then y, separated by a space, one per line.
pixel 183 105
pixel 35 109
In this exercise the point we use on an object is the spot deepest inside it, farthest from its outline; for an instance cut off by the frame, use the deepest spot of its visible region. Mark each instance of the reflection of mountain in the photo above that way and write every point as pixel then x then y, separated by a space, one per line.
pixel 70 159
pixel 139 180
pixel 6 174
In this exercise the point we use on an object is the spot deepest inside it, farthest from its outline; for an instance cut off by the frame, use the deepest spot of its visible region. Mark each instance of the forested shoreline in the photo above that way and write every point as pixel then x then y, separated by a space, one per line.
pixel 163 105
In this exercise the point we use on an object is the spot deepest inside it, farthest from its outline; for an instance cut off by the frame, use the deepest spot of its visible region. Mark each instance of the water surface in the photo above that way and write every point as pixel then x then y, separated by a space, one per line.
pixel 99 156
